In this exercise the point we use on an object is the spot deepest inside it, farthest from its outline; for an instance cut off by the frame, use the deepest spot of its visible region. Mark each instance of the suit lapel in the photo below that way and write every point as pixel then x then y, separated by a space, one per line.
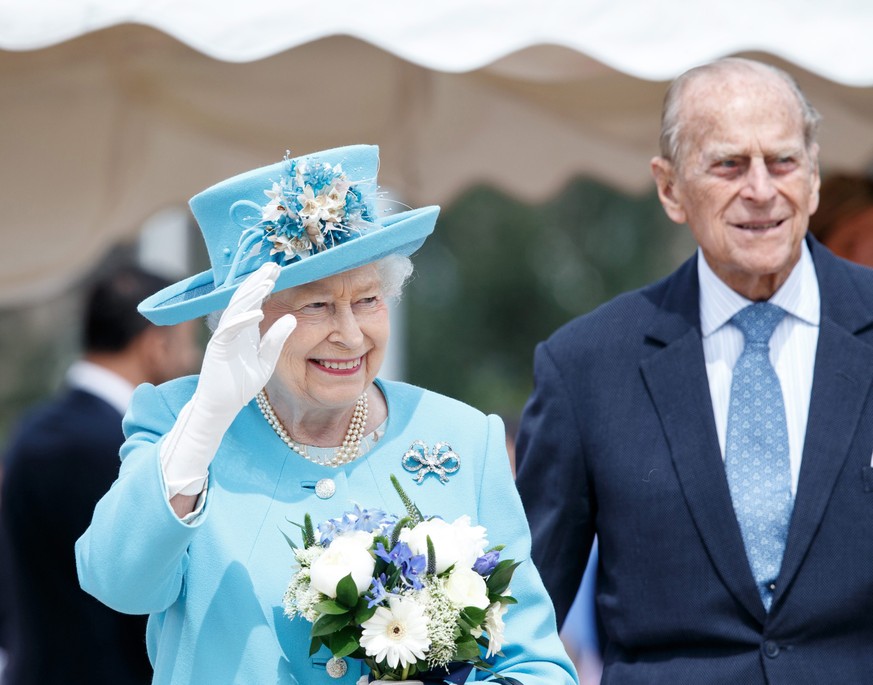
pixel 841 385
pixel 677 382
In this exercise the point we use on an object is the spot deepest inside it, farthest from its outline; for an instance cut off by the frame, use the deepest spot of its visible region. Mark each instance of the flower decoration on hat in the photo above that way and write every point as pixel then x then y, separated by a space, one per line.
pixel 312 207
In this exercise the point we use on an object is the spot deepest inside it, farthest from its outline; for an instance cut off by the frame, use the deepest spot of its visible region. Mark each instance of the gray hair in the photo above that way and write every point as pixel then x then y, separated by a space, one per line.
pixel 394 272
pixel 671 120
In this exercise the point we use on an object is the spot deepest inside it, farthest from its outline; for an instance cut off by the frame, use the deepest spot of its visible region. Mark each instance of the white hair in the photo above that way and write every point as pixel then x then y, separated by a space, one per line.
pixel 671 116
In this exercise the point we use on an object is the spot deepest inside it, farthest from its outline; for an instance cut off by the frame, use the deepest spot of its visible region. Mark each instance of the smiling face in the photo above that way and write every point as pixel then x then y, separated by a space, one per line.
pixel 745 183
pixel 339 344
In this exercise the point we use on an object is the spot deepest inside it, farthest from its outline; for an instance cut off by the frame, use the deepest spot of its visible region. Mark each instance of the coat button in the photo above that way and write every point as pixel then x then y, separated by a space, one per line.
pixel 336 668
pixel 325 488
pixel 771 649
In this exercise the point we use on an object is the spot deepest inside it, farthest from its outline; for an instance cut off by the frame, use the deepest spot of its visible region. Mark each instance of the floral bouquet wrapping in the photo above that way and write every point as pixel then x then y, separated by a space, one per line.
pixel 413 597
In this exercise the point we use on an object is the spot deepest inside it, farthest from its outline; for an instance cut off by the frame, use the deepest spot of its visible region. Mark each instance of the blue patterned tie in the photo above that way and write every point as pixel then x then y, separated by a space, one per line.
pixel 756 451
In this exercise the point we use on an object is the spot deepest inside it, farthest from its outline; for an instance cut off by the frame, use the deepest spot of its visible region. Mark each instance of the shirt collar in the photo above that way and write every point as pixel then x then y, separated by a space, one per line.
pixel 799 295
pixel 100 381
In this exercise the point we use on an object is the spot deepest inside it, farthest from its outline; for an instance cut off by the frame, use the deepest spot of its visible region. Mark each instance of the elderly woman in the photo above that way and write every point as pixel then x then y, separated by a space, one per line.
pixel 288 418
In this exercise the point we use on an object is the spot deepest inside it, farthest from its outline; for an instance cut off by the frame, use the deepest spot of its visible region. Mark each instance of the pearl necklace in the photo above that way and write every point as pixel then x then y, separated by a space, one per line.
pixel 348 451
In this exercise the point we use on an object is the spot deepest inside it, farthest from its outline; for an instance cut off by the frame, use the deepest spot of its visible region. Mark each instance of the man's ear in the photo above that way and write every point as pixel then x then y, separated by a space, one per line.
pixel 151 346
pixel 816 179
pixel 664 173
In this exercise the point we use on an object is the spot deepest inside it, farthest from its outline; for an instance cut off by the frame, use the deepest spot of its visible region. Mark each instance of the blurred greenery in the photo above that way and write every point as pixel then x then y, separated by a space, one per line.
pixel 496 277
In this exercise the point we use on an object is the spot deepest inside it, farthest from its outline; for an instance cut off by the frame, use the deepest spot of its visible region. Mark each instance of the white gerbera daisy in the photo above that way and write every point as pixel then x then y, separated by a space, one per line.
pixel 396 633
pixel 495 627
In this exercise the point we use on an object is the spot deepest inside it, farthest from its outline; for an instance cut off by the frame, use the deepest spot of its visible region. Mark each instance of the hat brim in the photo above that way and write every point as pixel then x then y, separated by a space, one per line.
pixel 196 296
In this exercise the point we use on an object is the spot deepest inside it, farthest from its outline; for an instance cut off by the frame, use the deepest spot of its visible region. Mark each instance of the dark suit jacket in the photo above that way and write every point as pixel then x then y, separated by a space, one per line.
pixel 619 438
pixel 62 459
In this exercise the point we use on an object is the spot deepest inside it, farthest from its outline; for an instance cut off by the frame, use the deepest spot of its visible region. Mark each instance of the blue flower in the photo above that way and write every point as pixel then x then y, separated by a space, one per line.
pixel 377 593
pixel 370 520
pixel 327 531
pixel 485 564
pixel 399 554
pixel 412 566
pixel 413 569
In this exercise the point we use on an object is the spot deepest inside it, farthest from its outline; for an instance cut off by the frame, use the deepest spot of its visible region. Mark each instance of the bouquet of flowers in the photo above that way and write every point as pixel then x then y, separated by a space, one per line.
pixel 411 596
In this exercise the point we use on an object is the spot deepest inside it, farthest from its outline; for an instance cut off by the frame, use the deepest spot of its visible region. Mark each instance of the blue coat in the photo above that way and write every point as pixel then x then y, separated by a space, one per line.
pixel 214 588
pixel 620 433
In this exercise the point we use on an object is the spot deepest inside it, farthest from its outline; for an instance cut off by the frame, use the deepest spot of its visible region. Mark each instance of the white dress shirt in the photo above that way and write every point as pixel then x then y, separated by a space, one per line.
pixel 100 381
pixel 792 346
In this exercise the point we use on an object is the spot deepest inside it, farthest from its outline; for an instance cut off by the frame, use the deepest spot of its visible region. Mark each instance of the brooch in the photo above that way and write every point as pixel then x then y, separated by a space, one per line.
pixel 441 460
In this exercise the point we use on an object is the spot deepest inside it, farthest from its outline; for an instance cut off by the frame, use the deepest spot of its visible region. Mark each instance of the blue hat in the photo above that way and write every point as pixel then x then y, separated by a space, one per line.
pixel 313 215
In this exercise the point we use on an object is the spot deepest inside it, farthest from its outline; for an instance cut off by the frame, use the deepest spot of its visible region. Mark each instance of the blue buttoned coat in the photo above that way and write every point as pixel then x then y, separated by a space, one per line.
pixel 214 587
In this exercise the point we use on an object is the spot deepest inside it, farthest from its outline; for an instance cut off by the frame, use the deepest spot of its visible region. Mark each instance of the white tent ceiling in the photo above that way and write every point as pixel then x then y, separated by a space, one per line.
pixel 114 109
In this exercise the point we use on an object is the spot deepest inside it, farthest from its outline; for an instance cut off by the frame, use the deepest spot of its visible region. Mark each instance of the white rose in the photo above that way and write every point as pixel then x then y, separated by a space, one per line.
pixel 456 543
pixel 466 588
pixel 347 554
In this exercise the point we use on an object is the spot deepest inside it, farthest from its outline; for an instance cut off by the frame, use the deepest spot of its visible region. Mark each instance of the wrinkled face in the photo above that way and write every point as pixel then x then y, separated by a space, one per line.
pixel 746 183
pixel 339 344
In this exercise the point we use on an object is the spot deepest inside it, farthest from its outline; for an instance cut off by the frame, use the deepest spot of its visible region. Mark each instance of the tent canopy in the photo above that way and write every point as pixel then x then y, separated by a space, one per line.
pixel 115 109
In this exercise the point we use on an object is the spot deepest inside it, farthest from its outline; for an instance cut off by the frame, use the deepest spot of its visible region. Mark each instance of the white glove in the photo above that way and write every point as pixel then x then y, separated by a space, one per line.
pixel 236 365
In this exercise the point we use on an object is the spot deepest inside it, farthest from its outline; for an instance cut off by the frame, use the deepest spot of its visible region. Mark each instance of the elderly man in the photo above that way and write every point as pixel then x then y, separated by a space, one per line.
pixel 715 429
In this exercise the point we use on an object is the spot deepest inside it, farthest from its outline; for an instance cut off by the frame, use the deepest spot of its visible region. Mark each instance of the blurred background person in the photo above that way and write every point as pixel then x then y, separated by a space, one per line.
pixel 844 220
pixel 60 460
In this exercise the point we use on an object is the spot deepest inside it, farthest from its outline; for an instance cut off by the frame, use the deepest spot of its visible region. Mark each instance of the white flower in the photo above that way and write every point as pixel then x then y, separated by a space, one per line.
pixel 456 543
pixel 300 597
pixel 306 555
pixel 495 626
pixel 323 208
pixel 289 246
pixel 442 619
pixel 396 634
pixel 349 553
pixel 275 209
pixel 466 588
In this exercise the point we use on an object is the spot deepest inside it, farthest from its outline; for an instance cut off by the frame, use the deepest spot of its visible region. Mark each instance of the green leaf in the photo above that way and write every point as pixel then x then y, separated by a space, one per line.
pixel 473 616
pixel 395 533
pixel 411 509
pixel 329 623
pixel 329 606
pixel 315 645
pixel 347 592
pixel 501 576
pixel 288 540
pixel 363 612
pixel 466 649
pixel 344 642
pixel 308 532
pixel 431 557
